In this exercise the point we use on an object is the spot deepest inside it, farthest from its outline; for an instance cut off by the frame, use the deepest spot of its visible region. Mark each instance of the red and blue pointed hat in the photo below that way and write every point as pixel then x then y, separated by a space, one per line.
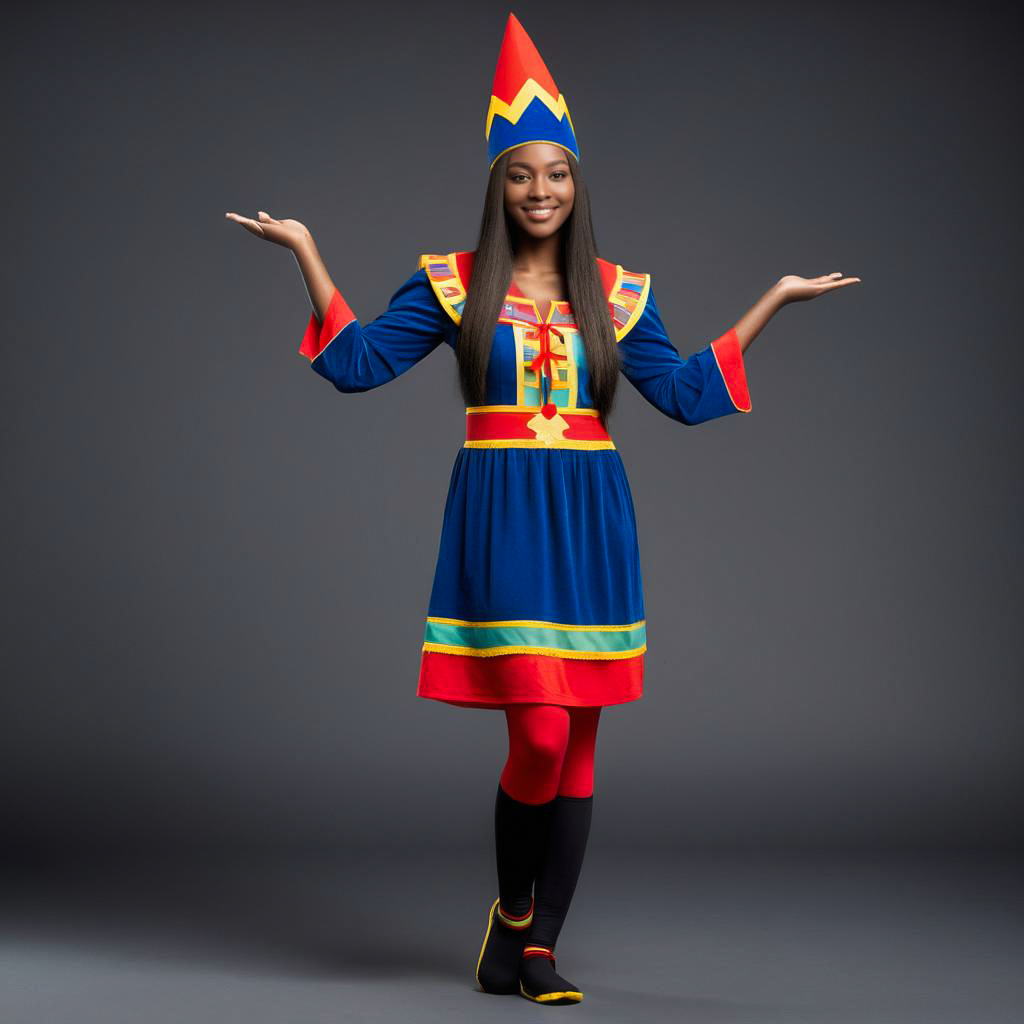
pixel 526 105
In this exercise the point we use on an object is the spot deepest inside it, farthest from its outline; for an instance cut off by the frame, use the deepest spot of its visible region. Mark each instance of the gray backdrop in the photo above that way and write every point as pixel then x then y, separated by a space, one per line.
pixel 216 567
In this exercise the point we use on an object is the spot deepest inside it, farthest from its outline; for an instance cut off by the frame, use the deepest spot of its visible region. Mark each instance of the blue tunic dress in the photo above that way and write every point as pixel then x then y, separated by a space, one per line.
pixel 537 594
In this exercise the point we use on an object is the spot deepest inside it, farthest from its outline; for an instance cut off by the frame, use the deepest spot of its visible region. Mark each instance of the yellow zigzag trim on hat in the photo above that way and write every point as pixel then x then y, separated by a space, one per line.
pixel 528 92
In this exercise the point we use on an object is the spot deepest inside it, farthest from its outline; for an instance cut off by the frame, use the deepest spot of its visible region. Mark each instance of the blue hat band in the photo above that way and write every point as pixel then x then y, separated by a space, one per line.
pixel 536 124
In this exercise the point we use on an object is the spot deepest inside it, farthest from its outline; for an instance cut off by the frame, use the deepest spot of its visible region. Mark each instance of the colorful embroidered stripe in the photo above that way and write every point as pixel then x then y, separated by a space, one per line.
pixel 444 278
pixel 518 309
pixel 729 357
pixel 455 636
pixel 628 299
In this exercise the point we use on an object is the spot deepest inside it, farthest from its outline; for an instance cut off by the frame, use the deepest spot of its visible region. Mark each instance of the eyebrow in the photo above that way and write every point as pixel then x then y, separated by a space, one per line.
pixel 529 167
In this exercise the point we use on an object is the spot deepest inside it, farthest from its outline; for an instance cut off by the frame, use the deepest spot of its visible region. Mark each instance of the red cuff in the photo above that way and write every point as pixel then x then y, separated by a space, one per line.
pixel 729 356
pixel 318 336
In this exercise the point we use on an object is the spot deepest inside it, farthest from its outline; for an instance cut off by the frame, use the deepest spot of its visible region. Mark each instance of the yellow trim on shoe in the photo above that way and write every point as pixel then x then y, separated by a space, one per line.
pixel 572 995
pixel 490 923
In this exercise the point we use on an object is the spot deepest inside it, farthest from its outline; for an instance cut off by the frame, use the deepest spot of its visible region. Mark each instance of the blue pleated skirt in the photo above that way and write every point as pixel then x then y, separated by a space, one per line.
pixel 537 592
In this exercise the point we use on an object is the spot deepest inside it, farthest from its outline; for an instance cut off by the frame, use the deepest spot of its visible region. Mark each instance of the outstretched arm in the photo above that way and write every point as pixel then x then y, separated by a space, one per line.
pixel 708 384
pixel 295 236
pixel 712 382
pixel 788 289
pixel 353 356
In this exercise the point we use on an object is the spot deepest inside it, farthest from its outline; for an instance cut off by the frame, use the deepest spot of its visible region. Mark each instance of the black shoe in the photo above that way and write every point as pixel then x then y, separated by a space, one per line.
pixel 497 969
pixel 539 981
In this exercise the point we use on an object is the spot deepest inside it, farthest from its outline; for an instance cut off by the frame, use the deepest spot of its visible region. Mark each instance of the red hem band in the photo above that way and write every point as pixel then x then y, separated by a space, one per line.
pixel 497 680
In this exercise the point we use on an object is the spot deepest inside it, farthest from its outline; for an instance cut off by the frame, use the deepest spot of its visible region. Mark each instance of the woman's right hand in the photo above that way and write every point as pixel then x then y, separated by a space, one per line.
pixel 289 233
pixel 296 237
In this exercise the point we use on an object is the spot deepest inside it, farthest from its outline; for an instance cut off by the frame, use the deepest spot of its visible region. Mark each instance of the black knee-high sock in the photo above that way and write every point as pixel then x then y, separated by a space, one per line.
pixel 520 831
pixel 560 867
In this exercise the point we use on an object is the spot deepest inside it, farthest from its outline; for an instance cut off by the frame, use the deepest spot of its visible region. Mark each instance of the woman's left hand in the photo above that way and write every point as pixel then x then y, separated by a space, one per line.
pixel 795 289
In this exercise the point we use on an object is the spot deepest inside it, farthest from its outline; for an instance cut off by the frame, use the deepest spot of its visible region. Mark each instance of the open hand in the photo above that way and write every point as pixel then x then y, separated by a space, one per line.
pixel 795 289
pixel 289 233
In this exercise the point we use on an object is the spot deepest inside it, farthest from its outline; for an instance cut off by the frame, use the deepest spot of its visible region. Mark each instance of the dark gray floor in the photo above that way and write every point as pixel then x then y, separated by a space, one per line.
pixel 924 939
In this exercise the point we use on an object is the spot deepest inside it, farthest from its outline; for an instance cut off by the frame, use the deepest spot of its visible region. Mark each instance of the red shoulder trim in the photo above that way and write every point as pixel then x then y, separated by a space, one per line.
pixel 464 263
pixel 608 274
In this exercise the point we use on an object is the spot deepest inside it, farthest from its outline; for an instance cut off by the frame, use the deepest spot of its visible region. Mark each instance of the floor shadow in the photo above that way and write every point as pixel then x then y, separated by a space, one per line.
pixel 291 920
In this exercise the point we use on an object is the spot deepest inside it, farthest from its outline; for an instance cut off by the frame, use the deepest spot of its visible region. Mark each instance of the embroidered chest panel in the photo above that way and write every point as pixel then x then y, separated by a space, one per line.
pixel 549 355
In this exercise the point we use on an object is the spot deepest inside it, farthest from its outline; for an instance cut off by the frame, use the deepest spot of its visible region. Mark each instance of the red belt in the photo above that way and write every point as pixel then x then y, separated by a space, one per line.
pixel 550 427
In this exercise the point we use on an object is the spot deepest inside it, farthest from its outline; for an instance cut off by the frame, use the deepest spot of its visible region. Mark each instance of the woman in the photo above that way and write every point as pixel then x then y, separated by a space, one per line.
pixel 537 603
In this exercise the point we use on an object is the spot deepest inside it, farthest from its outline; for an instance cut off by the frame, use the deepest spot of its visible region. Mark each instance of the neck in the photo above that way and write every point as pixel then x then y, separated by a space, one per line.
pixel 535 257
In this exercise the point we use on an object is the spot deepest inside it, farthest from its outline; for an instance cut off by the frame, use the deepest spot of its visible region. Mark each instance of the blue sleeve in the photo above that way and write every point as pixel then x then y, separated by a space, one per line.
pixel 357 357
pixel 707 384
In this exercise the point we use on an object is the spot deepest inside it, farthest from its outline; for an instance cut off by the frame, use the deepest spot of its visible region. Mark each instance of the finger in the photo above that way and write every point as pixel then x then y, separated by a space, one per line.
pixel 249 224
pixel 238 218
pixel 263 215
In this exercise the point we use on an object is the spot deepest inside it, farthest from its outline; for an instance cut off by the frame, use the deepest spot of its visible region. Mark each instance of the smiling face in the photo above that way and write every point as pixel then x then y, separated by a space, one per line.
pixel 539 189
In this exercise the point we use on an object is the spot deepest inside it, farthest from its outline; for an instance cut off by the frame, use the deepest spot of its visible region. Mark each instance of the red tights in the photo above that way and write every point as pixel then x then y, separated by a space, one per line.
pixel 550 751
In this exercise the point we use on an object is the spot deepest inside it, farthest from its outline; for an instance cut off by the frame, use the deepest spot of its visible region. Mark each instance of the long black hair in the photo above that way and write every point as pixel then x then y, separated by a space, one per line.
pixel 492 276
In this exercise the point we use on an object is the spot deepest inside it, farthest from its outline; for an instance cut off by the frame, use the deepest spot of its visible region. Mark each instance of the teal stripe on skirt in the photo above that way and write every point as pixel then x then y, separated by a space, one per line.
pixel 584 640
